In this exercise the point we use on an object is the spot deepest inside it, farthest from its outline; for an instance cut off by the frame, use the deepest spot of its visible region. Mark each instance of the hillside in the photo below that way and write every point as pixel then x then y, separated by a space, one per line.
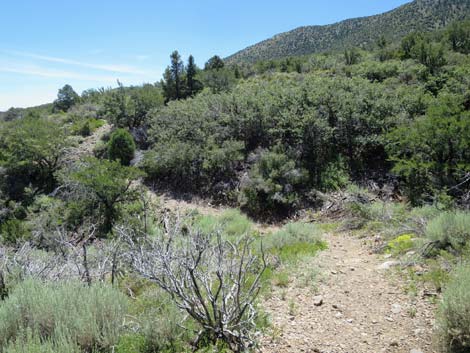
pixel 421 15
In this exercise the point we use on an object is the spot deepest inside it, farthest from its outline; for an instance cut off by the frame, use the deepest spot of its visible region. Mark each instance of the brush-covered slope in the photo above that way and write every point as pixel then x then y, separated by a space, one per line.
pixel 363 32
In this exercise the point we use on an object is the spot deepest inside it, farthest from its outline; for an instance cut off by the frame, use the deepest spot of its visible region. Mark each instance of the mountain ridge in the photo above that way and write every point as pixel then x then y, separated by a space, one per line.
pixel 423 15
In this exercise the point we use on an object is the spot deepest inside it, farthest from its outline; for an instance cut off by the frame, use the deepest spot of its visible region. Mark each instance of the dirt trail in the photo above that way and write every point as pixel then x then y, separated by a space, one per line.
pixel 87 144
pixel 364 309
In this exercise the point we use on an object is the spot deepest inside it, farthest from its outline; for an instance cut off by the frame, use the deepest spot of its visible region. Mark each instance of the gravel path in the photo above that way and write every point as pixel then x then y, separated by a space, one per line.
pixel 363 309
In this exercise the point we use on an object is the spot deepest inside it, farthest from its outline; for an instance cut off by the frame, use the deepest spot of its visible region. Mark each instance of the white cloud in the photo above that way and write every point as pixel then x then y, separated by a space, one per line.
pixel 51 73
pixel 124 69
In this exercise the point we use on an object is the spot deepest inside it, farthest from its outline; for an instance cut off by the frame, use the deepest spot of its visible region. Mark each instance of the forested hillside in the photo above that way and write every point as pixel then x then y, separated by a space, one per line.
pixel 373 143
pixel 419 15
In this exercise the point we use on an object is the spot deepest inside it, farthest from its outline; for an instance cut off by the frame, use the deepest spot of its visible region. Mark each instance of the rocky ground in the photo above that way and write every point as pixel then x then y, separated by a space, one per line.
pixel 358 307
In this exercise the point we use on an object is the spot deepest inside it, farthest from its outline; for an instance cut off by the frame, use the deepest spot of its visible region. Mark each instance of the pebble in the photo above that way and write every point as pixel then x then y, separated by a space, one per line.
pixel 318 300
pixel 388 264
pixel 396 308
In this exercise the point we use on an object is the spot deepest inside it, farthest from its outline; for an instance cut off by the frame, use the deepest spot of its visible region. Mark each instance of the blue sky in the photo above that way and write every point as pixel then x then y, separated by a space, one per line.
pixel 92 43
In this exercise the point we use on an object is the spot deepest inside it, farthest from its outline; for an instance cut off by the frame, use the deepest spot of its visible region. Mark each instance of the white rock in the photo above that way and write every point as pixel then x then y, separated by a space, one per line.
pixel 387 265
pixel 318 300
pixel 396 308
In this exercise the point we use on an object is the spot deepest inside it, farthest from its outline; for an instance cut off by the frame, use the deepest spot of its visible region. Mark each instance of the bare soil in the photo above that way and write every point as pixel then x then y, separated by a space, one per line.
pixel 364 308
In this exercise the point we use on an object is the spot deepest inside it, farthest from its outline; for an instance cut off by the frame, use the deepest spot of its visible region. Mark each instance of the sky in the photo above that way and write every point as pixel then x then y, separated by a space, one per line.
pixel 93 43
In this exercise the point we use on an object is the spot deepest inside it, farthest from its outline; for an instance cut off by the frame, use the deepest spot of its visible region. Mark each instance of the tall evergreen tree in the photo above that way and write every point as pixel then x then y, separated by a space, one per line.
pixel 176 70
pixel 191 71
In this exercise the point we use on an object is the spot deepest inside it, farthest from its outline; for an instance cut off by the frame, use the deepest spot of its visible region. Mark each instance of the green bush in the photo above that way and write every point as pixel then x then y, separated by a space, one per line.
pixel 294 240
pixel 335 176
pixel 454 313
pixel 89 317
pixel 271 188
pixel 27 342
pixel 401 244
pixel 121 146
pixel 450 229
pixel 13 231
pixel 159 322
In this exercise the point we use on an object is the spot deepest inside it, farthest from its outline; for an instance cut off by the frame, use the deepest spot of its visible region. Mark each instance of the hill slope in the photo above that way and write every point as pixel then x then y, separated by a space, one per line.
pixel 363 32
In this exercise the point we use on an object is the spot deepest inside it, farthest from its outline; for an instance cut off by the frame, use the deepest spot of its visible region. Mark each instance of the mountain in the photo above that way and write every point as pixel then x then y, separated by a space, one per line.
pixel 362 32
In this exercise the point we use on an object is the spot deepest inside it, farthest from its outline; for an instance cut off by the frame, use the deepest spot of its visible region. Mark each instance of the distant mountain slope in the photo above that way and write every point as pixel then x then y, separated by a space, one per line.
pixel 364 31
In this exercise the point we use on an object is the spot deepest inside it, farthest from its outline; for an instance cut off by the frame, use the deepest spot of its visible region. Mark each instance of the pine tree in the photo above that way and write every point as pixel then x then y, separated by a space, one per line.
pixel 176 70
pixel 191 71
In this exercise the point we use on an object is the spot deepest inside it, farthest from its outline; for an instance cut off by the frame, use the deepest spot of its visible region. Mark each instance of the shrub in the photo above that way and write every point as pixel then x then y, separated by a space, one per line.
pixel 90 317
pixel 159 322
pixel 13 230
pixel 294 240
pixel 454 313
pixel 121 146
pixel 235 223
pixel 27 342
pixel 450 229
pixel 400 244
pixel 178 164
pixel 87 127
pixel 271 185
pixel 232 223
pixel 335 176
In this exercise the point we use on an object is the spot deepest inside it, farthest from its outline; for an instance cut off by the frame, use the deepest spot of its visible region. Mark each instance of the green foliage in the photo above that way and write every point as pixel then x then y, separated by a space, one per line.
pixel 232 223
pixel 86 127
pixel 121 146
pixel 459 36
pixel 13 231
pixel 64 314
pixel 294 241
pixel 450 229
pixel 335 176
pixel 214 63
pixel 272 185
pixel 401 244
pixel 128 107
pixel 66 98
pixel 351 56
pixel 31 151
pixel 432 152
pixel 160 325
pixel 27 342
pixel 453 319
pixel 109 185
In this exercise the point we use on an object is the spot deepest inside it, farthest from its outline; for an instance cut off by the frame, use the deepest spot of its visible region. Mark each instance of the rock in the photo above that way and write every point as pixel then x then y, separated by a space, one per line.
pixel 416 351
pixel 338 315
pixel 350 321
pixel 318 300
pixel 394 343
pixel 388 264
pixel 396 308
pixel 389 319
pixel 387 256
